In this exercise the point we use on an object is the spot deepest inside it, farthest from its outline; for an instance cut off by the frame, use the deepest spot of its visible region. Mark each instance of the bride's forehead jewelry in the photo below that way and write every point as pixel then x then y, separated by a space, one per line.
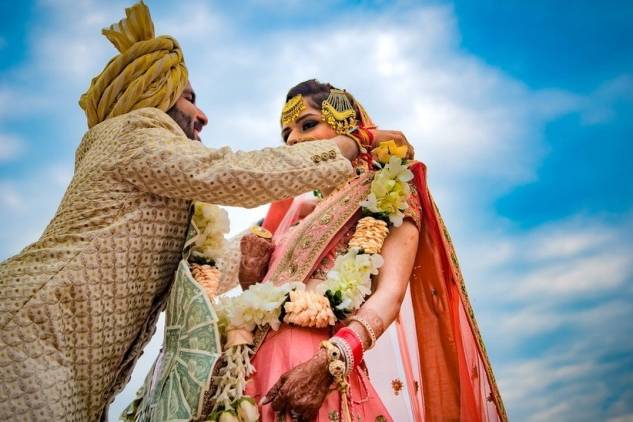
pixel 292 109
pixel 338 112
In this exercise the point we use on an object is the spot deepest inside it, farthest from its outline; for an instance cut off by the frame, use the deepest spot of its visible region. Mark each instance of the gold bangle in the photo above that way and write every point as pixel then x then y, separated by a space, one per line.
pixel 370 330
pixel 346 352
pixel 336 365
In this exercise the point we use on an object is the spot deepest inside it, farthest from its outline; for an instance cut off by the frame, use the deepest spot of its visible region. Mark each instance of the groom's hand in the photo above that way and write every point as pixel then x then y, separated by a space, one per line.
pixel 395 135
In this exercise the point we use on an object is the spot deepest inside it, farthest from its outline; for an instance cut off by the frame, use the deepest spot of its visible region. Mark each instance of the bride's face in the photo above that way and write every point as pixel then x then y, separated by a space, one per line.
pixel 307 127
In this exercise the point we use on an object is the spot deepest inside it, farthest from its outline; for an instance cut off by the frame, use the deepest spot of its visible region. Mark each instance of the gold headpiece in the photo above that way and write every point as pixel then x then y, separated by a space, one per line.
pixel 292 109
pixel 338 112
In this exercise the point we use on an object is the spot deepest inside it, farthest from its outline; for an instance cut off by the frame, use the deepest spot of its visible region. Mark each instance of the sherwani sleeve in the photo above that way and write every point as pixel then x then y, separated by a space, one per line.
pixel 155 158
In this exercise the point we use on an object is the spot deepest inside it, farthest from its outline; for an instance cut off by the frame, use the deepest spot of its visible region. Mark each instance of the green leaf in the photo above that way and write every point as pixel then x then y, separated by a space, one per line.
pixel 335 299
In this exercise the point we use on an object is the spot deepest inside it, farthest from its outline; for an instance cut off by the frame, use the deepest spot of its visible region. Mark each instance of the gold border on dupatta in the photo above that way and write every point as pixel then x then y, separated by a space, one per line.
pixel 332 213
pixel 471 316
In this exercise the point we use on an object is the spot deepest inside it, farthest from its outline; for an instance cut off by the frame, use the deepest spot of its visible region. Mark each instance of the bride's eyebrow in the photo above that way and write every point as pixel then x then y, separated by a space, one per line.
pixel 305 116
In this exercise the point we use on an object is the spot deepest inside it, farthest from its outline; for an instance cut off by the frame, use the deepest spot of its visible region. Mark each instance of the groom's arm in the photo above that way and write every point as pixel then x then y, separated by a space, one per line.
pixel 155 157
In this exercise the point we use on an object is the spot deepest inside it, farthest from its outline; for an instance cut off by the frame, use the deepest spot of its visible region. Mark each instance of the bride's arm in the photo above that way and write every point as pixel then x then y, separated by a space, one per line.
pixel 382 308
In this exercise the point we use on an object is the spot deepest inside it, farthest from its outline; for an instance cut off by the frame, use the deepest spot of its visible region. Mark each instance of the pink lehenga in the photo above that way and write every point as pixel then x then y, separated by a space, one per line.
pixel 306 251
pixel 445 372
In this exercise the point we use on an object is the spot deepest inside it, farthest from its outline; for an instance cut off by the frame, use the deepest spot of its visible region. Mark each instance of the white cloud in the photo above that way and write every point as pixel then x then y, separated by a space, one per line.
pixel 10 147
pixel 558 316
pixel 479 131
pixel 26 207
pixel 10 198
pixel 582 276
pixel 600 106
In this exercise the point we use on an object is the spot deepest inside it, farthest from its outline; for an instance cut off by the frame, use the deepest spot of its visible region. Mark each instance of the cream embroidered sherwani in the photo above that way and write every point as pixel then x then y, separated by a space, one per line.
pixel 78 305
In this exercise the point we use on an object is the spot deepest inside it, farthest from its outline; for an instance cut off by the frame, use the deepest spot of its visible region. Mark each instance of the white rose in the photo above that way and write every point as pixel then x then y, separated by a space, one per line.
pixel 247 411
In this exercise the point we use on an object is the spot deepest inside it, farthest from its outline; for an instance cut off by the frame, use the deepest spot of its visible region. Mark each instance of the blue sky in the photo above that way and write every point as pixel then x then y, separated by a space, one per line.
pixel 523 112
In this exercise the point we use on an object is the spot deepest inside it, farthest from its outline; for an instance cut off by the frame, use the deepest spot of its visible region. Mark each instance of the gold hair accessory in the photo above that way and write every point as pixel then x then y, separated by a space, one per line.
pixel 292 109
pixel 338 112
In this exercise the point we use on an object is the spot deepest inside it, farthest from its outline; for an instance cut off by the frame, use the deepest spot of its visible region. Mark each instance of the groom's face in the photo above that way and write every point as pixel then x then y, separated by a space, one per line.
pixel 187 114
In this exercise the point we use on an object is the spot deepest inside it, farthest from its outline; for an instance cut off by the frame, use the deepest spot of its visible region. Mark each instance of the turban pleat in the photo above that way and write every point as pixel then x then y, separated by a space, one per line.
pixel 148 72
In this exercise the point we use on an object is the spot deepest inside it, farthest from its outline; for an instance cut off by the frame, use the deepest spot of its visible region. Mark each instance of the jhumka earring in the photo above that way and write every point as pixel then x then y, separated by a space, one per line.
pixel 338 112
pixel 292 109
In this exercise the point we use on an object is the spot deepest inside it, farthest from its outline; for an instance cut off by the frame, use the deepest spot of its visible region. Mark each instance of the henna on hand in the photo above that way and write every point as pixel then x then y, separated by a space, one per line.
pixel 303 389
pixel 256 252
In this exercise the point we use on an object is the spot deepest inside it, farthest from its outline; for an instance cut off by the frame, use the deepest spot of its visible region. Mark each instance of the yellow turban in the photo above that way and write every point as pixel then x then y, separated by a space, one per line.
pixel 149 71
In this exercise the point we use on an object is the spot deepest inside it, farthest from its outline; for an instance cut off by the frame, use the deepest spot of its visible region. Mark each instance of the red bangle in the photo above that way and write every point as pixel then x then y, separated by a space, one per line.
pixel 351 338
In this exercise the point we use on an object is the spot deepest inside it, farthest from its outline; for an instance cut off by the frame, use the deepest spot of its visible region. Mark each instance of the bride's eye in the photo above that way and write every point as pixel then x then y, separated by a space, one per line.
pixel 308 124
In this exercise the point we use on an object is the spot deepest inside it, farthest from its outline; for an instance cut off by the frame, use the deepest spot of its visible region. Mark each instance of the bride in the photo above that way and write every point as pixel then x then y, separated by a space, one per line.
pixel 356 253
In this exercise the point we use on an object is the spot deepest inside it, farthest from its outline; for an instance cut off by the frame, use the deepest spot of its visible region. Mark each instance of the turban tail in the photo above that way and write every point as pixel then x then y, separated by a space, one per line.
pixel 149 71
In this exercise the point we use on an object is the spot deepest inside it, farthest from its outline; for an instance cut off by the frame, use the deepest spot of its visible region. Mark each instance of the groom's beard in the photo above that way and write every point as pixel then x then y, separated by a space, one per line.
pixel 185 122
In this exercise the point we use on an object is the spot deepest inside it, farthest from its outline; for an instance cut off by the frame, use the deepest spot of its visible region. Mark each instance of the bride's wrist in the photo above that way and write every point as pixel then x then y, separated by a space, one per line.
pixel 323 363
pixel 347 146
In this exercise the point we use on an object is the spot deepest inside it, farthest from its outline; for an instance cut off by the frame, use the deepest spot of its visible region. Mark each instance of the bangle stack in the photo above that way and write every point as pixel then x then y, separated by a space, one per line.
pixel 338 370
pixel 352 342
pixel 346 353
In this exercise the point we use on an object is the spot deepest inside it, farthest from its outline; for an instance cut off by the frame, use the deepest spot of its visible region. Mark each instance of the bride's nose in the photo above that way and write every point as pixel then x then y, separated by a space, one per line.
pixel 293 138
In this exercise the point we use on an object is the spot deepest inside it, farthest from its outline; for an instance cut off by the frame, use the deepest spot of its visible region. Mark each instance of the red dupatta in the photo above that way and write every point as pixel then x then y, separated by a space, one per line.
pixel 457 383
pixel 457 378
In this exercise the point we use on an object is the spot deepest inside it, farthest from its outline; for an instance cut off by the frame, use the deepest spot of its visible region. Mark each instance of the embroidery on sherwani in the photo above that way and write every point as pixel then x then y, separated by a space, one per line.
pixel 305 244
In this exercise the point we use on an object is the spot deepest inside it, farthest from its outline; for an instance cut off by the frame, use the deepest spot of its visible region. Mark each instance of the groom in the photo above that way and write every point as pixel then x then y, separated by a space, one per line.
pixel 78 305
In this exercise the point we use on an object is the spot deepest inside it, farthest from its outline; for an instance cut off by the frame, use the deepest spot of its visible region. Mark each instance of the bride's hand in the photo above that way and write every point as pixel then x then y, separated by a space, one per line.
pixel 301 391
pixel 385 135
pixel 254 261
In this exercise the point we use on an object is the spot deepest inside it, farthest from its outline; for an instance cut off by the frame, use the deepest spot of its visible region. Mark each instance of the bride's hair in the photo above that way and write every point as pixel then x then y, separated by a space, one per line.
pixel 315 92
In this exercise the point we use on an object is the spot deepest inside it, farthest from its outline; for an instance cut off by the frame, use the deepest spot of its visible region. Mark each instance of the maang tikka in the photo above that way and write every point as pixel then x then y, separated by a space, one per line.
pixel 292 109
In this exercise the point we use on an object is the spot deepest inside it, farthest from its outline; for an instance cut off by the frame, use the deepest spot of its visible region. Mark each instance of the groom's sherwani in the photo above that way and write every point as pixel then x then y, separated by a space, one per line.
pixel 78 305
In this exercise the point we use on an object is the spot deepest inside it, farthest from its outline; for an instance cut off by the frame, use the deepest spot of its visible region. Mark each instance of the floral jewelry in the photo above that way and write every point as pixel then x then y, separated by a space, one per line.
pixel 209 224
pixel 344 290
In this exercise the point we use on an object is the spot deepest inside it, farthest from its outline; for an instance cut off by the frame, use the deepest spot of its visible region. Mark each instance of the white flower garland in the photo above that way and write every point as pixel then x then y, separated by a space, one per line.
pixel 347 285
pixel 211 223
